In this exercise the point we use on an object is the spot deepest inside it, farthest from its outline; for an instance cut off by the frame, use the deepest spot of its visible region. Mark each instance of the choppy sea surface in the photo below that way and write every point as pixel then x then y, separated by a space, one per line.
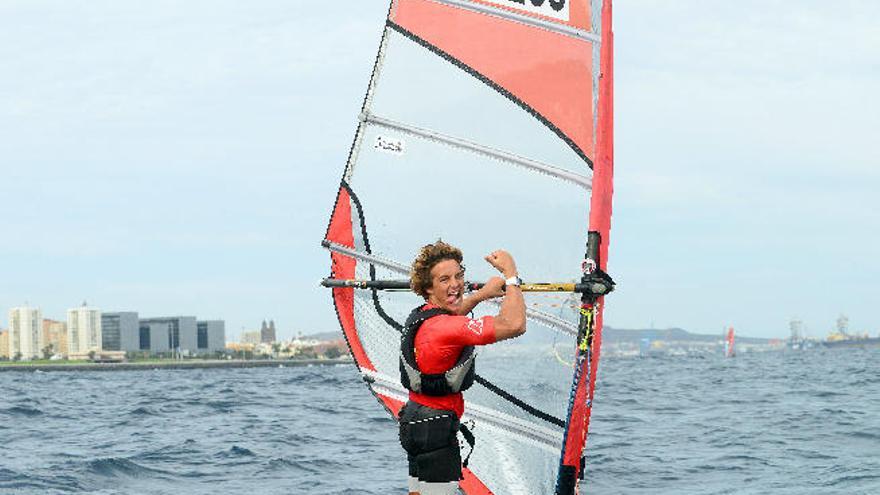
pixel 783 423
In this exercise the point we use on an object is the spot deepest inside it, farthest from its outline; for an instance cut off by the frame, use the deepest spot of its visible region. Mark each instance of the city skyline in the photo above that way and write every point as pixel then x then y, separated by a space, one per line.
pixel 88 330
pixel 47 317
pixel 180 161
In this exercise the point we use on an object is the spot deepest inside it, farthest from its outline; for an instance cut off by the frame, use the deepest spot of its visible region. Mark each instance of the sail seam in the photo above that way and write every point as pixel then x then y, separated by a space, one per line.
pixel 554 27
pixel 524 162
pixel 492 84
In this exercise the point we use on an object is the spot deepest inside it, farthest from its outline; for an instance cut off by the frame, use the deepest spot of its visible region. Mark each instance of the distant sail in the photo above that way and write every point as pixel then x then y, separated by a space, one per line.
pixel 475 108
pixel 729 345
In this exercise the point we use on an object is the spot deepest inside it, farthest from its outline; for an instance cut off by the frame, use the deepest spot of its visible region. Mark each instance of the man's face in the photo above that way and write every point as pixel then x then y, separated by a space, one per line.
pixel 447 285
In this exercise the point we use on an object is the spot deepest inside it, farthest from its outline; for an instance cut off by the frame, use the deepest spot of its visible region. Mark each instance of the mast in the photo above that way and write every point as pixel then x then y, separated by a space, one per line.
pixel 572 462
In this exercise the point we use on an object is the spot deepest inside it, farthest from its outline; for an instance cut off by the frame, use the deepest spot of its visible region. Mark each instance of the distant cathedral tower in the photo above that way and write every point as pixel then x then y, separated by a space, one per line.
pixel 267 332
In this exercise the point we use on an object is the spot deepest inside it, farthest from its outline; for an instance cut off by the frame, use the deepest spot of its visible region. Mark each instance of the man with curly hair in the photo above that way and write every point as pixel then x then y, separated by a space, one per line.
pixel 437 358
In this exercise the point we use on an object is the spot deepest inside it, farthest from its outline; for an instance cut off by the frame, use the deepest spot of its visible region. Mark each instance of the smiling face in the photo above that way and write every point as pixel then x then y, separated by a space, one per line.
pixel 447 285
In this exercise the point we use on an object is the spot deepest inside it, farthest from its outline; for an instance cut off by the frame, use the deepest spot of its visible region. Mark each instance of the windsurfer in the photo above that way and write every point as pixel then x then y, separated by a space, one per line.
pixel 437 358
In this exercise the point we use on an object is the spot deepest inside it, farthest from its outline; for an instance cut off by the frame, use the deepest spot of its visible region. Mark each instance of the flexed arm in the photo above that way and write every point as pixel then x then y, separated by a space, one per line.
pixel 511 319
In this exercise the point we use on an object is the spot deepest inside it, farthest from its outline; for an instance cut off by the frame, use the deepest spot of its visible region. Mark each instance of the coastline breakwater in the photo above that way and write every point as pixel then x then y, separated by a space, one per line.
pixel 172 364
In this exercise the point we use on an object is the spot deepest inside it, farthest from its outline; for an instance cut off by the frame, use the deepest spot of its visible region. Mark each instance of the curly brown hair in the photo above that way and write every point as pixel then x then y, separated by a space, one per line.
pixel 428 257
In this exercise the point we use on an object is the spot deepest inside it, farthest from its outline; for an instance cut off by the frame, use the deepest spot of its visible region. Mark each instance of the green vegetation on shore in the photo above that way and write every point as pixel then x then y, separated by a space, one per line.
pixel 44 362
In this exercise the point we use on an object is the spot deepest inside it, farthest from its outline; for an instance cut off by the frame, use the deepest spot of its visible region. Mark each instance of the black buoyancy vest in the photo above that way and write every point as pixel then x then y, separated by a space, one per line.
pixel 458 378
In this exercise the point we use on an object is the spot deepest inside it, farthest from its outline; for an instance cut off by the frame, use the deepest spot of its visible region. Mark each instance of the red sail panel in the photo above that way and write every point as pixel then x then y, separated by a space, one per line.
pixel 550 72
pixel 393 405
pixel 340 232
pixel 471 484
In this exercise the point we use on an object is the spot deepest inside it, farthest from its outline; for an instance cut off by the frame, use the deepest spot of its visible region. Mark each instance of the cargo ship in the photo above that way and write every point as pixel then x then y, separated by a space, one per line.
pixel 843 338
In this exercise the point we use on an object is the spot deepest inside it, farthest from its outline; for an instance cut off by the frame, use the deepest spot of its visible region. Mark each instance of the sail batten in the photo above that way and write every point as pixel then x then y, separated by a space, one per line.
pixel 367 257
pixel 580 180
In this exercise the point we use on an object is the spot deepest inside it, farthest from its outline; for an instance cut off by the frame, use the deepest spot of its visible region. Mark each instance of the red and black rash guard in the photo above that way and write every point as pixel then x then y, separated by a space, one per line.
pixel 438 345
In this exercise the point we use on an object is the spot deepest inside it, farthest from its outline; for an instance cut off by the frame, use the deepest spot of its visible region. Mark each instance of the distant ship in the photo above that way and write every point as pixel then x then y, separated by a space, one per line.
pixel 852 341
pixel 842 338
pixel 798 340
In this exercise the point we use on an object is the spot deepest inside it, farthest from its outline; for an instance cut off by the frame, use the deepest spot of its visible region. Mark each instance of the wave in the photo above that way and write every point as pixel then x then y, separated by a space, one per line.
pixel 117 467
pixel 143 411
pixel 223 405
pixel 183 451
pixel 236 451
pixel 864 435
pixel 24 411
pixel 314 465
pixel 13 482
pixel 855 477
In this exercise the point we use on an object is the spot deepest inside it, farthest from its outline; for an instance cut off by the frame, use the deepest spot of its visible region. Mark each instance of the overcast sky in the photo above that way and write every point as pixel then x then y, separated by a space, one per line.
pixel 182 158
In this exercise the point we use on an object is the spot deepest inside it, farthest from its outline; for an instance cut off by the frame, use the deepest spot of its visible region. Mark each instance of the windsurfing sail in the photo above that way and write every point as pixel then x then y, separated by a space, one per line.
pixel 487 124
pixel 729 347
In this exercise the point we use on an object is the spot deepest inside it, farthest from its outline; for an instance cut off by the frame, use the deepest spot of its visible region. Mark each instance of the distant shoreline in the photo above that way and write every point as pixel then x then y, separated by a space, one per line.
pixel 174 365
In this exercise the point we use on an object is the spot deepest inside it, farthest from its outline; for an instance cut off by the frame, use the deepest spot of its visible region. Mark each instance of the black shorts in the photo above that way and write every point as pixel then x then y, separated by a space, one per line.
pixel 430 439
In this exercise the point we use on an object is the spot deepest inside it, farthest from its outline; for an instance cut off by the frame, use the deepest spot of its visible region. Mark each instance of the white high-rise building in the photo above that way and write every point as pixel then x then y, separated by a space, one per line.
pixel 83 330
pixel 25 332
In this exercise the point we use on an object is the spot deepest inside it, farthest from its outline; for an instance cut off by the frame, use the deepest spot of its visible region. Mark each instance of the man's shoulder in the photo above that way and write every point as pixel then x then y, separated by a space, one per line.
pixel 458 323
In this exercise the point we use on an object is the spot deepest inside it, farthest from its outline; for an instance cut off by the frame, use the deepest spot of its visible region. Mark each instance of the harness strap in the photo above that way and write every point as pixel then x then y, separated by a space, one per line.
pixel 470 439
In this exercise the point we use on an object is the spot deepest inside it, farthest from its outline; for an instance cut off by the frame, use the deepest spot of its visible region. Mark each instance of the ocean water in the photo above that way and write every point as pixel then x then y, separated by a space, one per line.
pixel 786 423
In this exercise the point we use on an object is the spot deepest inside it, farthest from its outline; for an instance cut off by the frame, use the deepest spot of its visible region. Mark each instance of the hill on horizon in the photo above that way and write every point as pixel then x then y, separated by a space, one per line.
pixel 611 334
